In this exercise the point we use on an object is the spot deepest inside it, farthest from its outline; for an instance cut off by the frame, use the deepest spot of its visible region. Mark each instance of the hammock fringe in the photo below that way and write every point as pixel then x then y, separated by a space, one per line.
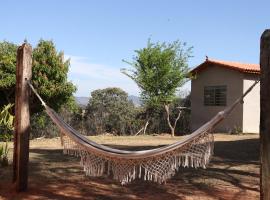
pixel 157 169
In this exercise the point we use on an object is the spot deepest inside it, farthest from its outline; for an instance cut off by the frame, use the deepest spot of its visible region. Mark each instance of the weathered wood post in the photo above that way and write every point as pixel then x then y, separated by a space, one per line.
pixel 22 117
pixel 265 116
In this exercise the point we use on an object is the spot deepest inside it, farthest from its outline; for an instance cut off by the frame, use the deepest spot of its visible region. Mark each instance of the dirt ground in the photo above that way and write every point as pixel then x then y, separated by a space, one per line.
pixel 232 174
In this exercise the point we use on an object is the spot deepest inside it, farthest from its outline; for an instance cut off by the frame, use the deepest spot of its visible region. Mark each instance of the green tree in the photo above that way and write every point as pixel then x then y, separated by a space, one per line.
pixel 7 72
pixel 159 70
pixel 49 75
pixel 109 110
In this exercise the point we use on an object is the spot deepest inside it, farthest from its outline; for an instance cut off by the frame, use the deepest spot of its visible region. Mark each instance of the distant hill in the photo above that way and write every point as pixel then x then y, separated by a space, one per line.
pixel 136 100
pixel 83 101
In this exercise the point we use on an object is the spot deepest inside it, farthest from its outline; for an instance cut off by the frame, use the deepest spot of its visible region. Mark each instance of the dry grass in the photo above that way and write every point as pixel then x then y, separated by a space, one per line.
pixel 131 141
pixel 232 174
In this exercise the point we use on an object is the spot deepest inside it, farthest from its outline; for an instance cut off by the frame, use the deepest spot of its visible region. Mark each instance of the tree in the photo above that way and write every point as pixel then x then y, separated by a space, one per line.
pixel 109 110
pixel 49 75
pixel 159 70
pixel 7 72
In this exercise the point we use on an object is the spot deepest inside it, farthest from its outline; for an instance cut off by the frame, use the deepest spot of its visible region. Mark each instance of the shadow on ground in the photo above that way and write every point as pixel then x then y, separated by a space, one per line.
pixel 232 174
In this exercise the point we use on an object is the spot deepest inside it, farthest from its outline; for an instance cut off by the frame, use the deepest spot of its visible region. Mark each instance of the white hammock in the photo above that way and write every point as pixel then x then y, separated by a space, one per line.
pixel 156 165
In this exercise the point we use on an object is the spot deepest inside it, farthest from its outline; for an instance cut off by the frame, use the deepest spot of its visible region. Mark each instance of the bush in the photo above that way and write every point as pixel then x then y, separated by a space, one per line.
pixel 109 110
pixel 6 132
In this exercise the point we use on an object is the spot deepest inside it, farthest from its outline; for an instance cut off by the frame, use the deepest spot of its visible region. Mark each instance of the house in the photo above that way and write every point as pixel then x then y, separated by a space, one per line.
pixel 218 84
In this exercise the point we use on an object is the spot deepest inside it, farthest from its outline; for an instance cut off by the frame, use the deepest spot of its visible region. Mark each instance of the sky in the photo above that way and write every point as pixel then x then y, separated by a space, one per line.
pixel 96 35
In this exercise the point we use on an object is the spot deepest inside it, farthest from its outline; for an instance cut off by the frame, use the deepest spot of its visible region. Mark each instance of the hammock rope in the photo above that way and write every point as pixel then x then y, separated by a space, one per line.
pixel 158 165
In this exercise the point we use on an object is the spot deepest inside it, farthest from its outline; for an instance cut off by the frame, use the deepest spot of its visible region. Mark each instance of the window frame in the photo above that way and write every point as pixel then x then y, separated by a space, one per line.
pixel 217 95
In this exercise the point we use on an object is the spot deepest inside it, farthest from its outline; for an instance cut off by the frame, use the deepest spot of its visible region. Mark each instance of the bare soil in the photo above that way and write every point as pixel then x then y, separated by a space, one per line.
pixel 232 174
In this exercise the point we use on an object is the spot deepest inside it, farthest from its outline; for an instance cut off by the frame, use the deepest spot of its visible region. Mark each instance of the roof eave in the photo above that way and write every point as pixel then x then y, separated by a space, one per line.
pixel 206 64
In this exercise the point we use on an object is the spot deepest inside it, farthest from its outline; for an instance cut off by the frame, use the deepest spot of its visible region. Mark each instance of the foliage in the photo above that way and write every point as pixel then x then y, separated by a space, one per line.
pixel 7 72
pixel 73 115
pixel 42 126
pixel 237 130
pixel 109 110
pixel 159 69
pixel 49 75
pixel 6 123
pixel 6 119
pixel 4 149
pixel 6 130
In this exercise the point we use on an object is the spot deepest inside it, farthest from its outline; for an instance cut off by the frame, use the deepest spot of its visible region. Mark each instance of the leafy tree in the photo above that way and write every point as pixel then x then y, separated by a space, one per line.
pixel 7 72
pixel 49 75
pixel 159 70
pixel 109 110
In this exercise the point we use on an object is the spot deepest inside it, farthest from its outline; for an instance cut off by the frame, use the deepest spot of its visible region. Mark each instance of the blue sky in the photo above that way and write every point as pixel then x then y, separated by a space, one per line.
pixel 97 35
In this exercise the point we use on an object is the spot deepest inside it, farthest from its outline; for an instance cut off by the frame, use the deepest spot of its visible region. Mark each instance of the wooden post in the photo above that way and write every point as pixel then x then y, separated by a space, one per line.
pixel 22 117
pixel 265 116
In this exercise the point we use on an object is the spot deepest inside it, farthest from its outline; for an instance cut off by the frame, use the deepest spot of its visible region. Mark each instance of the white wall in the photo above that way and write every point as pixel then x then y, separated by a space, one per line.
pixel 251 108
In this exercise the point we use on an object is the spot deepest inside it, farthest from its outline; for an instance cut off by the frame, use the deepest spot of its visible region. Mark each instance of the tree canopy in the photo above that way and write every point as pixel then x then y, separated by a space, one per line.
pixel 159 69
pixel 49 75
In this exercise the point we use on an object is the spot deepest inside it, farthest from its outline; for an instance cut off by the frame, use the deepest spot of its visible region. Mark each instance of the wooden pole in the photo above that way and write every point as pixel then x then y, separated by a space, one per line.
pixel 265 116
pixel 22 117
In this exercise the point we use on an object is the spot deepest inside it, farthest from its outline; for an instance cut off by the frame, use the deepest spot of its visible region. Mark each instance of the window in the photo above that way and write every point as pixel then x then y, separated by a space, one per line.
pixel 215 95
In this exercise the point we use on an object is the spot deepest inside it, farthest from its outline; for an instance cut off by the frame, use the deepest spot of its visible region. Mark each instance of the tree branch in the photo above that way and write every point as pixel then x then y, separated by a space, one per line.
pixel 178 117
pixel 168 118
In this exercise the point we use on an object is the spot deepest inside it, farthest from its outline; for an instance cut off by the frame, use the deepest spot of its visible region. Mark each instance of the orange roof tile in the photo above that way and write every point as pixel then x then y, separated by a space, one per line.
pixel 242 67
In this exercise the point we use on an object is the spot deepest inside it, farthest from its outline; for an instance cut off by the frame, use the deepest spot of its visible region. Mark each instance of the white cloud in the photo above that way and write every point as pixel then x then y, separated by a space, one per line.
pixel 89 76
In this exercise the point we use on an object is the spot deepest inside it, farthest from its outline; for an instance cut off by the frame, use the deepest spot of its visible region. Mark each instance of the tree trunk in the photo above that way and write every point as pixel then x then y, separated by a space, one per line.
pixel 176 120
pixel 167 108
pixel 145 127
pixel 139 131
pixel 265 116
pixel 172 127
